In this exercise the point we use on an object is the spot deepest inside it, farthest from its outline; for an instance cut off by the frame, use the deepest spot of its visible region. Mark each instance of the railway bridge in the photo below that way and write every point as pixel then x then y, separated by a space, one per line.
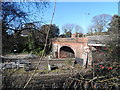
pixel 79 48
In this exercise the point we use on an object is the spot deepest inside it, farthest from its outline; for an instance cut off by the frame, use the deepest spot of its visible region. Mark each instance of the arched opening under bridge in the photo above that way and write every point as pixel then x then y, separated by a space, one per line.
pixel 66 52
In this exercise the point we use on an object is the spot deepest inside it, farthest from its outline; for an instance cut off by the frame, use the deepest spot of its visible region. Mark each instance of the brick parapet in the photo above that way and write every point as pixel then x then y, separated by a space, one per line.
pixel 72 40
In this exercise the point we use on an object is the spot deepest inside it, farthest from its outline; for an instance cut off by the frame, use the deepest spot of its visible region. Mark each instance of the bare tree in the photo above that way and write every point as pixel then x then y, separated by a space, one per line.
pixel 67 27
pixel 100 22
pixel 72 28
pixel 91 29
pixel 78 29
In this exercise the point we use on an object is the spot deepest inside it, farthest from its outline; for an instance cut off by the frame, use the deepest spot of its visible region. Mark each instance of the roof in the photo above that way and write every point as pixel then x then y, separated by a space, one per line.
pixel 100 39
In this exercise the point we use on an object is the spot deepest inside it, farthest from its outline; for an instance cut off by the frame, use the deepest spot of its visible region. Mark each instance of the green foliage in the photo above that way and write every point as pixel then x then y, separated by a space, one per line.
pixel 68 61
pixel 38 52
pixel 36 38
pixel 114 25
pixel 54 30
pixel 67 33
pixel 114 33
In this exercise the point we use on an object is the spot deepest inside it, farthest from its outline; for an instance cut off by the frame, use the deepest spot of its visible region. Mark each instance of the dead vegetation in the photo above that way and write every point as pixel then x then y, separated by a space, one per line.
pixel 101 76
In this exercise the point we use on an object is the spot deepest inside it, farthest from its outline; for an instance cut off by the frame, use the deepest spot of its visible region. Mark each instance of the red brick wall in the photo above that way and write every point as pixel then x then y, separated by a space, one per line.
pixel 77 45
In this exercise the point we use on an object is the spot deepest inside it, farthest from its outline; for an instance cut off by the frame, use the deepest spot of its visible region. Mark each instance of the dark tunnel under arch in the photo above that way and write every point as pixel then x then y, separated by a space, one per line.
pixel 66 52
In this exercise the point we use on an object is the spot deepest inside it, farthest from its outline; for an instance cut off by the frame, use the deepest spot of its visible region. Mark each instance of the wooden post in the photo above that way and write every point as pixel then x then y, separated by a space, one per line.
pixel 86 61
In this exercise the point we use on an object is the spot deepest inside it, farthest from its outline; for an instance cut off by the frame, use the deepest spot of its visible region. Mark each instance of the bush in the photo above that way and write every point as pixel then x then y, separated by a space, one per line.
pixel 69 62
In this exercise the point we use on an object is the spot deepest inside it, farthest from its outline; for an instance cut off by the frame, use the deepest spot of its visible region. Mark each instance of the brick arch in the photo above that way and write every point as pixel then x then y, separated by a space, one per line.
pixel 76 44
pixel 66 51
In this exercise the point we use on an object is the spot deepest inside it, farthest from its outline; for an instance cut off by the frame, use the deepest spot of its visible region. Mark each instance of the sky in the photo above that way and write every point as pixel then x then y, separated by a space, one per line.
pixel 72 13
pixel 77 13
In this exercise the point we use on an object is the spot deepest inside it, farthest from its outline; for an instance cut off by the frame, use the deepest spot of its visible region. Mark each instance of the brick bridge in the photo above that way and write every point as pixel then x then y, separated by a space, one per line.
pixel 80 48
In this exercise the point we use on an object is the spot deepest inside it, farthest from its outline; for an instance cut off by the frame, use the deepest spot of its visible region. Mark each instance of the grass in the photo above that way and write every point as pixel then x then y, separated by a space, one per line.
pixel 21 71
